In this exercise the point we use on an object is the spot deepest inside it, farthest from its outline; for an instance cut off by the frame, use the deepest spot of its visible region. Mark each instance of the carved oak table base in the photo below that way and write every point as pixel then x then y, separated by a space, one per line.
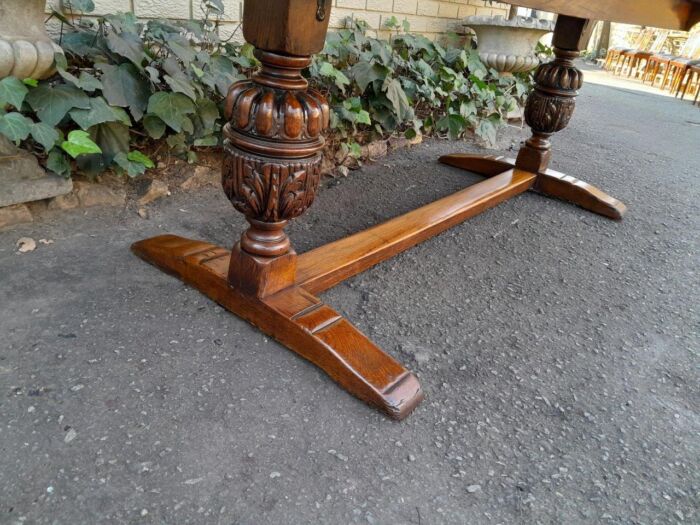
pixel 271 174
pixel 548 110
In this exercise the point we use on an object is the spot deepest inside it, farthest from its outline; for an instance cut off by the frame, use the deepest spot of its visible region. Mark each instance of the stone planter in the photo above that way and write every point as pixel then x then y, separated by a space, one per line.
pixel 508 46
pixel 26 50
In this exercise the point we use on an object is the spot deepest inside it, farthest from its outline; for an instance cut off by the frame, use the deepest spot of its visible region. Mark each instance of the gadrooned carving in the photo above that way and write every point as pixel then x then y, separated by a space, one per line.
pixel 287 115
pixel 560 75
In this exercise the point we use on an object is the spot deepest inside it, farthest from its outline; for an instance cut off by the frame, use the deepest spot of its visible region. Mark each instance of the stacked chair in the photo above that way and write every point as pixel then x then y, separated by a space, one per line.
pixel 647 59
pixel 687 75
pixel 652 42
pixel 618 57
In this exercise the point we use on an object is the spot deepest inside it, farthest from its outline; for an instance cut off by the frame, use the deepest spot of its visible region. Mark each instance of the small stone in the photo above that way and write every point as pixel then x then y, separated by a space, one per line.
pixel 420 354
pixel 77 387
pixel 473 488
pixel 157 189
pixel 398 143
pixel 69 201
pixel 203 176
pixel 144 512
pixel 12 215
pixel 23 180
pixel 375 150
pixel 49 489
pixel 343 171
pixel 411 457
pixel 70 435
pixel 26 245
pixel 90 194
pixel 143 213
pixel 193 481
pixel 274 475
pixel 418 139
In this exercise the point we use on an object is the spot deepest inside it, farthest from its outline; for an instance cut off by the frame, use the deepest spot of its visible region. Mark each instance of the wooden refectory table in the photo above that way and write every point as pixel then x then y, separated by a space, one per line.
pixel 271 173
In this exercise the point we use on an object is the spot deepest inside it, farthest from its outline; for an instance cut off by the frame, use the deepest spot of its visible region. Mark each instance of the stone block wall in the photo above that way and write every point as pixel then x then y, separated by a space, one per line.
pixel 430 17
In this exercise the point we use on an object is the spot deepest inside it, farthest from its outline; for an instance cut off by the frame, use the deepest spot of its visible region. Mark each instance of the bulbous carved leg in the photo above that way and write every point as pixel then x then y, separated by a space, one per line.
pixel 271 168
pixel 549 108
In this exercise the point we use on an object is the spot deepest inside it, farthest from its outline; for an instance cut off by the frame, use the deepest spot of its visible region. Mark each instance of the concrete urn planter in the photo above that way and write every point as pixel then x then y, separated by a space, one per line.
pixel 26 50
pixel 508 46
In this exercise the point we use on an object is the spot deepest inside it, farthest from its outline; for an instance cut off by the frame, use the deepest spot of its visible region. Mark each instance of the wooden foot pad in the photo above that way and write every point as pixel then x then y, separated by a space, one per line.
pixel 548 182
pixel 298 320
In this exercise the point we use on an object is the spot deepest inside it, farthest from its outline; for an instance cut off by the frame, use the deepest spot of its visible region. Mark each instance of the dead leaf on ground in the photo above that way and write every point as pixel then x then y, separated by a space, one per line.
pixel 26 244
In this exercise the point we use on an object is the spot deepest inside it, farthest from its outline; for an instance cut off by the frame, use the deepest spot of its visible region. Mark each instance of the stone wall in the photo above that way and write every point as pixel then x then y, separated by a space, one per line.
pixel 430 17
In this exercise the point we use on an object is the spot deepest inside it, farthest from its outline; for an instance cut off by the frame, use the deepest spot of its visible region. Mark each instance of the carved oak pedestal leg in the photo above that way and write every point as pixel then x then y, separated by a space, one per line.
pixel 548 110
pixel 271 174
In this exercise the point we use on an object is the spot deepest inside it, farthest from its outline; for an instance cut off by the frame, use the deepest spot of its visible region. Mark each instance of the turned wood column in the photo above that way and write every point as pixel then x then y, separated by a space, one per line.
pixel 550 106
pixel 273 139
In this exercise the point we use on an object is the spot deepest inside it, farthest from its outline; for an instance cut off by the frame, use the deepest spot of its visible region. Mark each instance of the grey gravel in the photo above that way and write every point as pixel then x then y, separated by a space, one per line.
pixel 562 372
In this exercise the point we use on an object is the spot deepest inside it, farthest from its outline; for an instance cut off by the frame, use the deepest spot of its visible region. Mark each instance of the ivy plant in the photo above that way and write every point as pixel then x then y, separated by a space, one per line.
pixel 125 86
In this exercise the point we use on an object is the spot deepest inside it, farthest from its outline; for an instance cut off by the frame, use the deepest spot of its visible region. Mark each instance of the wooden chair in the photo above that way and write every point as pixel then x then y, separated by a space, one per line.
pixel 617 53
pixel 641 43
pixel 690 79
pixel 613 56
pixel 635 58
pixel 675 67
pixel 653 68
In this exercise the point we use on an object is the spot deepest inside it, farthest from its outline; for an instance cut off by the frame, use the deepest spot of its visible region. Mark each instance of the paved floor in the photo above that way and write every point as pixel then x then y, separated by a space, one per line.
pixel 558 351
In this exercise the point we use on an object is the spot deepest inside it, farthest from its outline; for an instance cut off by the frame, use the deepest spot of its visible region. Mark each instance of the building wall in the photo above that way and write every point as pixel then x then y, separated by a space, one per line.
pixel 430 17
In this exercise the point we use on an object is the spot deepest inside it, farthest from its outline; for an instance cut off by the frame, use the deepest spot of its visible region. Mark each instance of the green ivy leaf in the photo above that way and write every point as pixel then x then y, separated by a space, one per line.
pixel 13 92
pixel 15 126
pixel 171 108
pixel 124 23
pixel 128 45
pixel 30 82
pixel 86 81
pixel 137 156
pixel 216 5
pixel 85 6
pixel 181 85
pixel 58 163
pixel 112 137
pixel 397 96
pixel 211 141
pixel 79 143
pixel 363 118
pixel 208 113
pixel 328 70
pixel 487 130
pixel 45 135
pixel 124 87
pixel 365 72
pixel 183 51
pixel 99 113
pixel 454 124
pixel 52 103
pixel 154 126
pixel 133 169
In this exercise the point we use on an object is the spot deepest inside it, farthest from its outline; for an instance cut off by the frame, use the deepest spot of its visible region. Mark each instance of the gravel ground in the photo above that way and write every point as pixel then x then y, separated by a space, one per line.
pixel 558 351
